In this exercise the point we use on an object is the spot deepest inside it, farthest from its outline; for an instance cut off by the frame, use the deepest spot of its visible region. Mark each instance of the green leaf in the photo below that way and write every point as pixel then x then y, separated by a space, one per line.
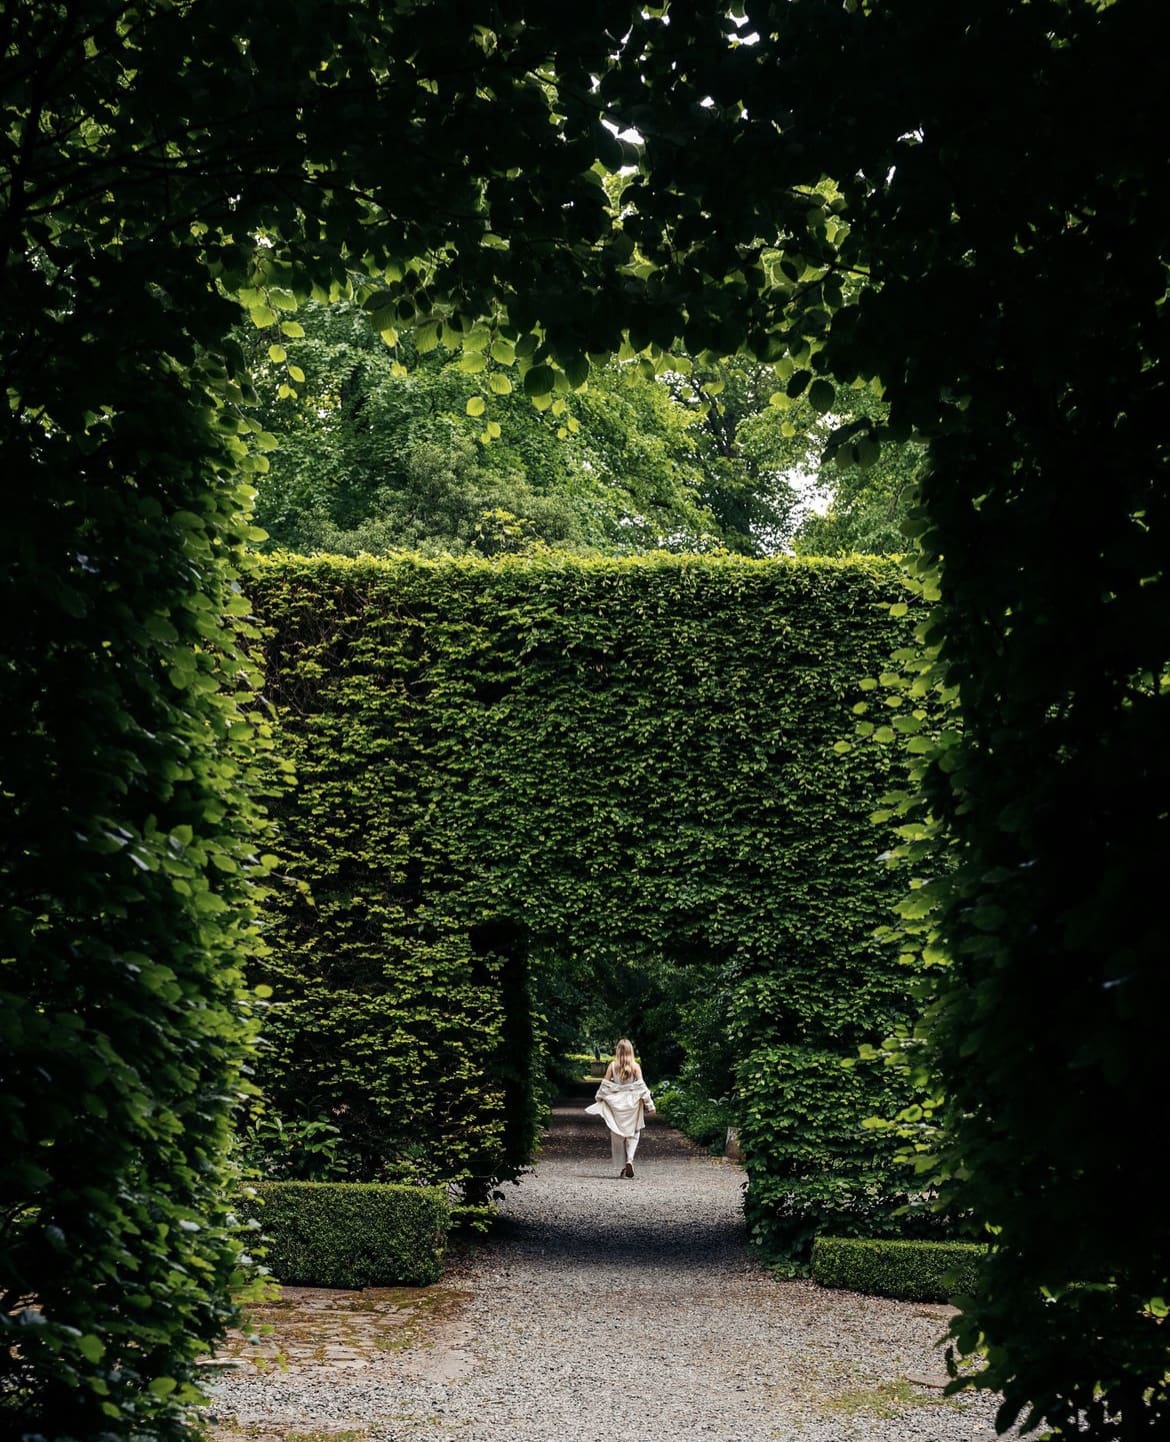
pixel 476 406
pixel 426 337
pixel 539 381
pixel 821 395
pixel 577 370
pixel 92 1348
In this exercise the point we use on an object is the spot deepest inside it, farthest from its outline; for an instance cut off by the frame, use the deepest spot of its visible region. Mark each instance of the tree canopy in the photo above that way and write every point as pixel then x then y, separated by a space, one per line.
pixel 374 448
pixel 445 167
pixel 385 449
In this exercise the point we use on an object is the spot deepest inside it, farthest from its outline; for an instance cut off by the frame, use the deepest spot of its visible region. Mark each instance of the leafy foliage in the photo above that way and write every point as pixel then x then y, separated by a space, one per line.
pixel 778 471
pixel 635 764
pixel 376 454
pixel 419 1060
pixel 303 1150
pixel 744 458
pixel 1034 823
pixel 383 449
pixel 634 995
pixel 350 1234
pixel 159 159
pixel 818 1168
pixel 131 757
pixel 865 492
pixel 698 1117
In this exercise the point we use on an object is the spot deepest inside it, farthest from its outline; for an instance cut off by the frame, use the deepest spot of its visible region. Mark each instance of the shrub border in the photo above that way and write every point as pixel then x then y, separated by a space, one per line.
pixel 350 1234
pixel 909 1271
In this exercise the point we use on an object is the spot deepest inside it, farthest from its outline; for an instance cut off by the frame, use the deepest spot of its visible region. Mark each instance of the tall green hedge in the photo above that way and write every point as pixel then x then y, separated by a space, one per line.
pixel 130 866
pixel 613 759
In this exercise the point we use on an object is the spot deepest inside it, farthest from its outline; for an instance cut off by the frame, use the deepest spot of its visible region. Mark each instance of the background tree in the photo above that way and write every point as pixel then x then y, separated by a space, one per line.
pixel 379 447
pixel 780 474
pixel 746 463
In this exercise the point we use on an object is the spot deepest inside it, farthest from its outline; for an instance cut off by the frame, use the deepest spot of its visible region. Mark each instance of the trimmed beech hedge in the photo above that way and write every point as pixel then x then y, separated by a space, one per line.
pixel 351 1234
pixel 630 762
pixel 912 1271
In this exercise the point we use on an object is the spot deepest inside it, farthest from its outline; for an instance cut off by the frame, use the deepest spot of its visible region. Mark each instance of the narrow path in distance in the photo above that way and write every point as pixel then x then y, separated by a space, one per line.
pixel 605 1308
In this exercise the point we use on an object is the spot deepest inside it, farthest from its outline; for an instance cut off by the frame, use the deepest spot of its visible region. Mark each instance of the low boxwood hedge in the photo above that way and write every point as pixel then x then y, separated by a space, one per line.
pixel 912 1271
pixel 351 1234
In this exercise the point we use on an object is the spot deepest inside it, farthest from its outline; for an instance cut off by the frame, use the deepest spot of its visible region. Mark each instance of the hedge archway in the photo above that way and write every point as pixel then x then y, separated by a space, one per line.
pixel 637 757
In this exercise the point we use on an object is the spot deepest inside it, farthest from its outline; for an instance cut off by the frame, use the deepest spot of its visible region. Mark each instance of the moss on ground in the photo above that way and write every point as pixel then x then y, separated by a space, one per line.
pixel 884 1400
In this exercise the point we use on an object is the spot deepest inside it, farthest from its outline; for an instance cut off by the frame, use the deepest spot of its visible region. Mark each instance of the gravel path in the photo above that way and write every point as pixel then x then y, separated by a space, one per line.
pixel 604 1308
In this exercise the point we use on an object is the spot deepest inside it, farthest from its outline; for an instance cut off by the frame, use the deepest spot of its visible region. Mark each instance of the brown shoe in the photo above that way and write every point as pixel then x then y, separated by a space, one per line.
pixel 628 1170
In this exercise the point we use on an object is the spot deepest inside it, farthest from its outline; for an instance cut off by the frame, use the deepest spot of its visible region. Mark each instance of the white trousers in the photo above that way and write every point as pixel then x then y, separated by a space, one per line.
pixel 622 1149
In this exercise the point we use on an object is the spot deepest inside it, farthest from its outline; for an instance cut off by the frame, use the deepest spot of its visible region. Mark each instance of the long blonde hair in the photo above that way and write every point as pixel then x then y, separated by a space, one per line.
pixel 625 1068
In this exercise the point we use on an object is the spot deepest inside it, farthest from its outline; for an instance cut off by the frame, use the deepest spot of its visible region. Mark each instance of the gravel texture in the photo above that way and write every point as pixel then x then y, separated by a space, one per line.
pixel 603 1308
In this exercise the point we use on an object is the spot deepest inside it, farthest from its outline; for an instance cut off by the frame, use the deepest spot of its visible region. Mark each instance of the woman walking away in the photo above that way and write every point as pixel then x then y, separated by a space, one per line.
pixel 623 1102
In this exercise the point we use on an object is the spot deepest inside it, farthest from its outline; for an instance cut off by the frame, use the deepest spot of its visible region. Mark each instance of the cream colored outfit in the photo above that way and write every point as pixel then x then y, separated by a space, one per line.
pixel 623 1107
